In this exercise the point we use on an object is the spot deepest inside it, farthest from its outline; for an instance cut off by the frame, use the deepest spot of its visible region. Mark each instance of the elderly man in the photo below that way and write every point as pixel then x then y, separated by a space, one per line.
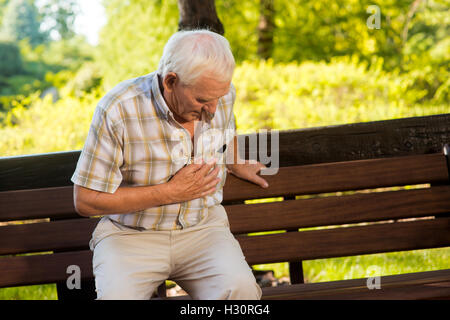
pixel 161 200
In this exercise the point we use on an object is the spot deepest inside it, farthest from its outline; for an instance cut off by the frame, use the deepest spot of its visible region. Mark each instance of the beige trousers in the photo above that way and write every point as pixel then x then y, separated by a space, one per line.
pixel 205 260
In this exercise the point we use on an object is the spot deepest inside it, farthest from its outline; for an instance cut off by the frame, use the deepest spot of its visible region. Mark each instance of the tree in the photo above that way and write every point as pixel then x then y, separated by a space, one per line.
pixel 3 4
pixel 199 14
pixel 21 20
pixel 265 29
pixel 10 59
pixel 132 41
pixel 59 16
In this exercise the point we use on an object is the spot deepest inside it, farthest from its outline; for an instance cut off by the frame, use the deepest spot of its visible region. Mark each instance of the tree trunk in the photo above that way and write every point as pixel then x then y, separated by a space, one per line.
pixel 265 29
pixel 199 14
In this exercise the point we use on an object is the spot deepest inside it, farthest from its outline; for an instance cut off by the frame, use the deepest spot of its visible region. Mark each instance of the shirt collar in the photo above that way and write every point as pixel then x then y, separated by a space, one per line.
pixel 160 104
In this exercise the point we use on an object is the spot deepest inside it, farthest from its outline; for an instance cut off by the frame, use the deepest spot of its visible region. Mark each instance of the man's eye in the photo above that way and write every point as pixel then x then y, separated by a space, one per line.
pixel 202 100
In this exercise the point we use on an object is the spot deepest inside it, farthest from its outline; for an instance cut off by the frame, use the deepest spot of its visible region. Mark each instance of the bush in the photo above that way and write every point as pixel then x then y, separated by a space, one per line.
pixel 46 126
pixel 10 59
pixel 277 96
pixel 293 95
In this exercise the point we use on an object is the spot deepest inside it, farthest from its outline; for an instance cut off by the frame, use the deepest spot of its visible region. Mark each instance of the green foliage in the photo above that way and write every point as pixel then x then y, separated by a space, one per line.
pixel 305 31
pixel 52 64
pixel 62 125
pixel 278 96
pixel 39 292
pixel 426 51
pixel 293 95
pixel 133 39
pixel 10 60
pixel 3 4
pixel 85 80
pixel 21 20
pixel 240 20
pixel 59 17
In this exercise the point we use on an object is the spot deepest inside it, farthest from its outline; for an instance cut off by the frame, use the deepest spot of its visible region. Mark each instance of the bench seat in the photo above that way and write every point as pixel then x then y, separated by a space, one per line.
pixel 313 211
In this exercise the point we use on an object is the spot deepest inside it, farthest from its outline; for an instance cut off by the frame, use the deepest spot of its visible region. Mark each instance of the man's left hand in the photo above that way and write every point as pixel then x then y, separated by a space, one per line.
pixel 249 171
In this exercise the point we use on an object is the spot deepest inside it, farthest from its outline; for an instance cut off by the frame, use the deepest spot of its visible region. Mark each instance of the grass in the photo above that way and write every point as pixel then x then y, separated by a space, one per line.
pixel 363 266
pixel 314 270
pixel 38 292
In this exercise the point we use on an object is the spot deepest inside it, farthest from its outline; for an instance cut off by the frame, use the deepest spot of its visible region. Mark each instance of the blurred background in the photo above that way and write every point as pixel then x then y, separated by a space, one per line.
pixel 299 64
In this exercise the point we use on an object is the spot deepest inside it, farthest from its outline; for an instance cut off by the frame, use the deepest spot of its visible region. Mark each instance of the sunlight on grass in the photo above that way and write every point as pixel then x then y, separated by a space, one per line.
pixel 39 292
pixel 358 266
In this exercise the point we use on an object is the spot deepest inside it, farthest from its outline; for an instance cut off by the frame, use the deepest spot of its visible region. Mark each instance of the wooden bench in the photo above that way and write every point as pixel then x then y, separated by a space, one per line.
pixel 324 178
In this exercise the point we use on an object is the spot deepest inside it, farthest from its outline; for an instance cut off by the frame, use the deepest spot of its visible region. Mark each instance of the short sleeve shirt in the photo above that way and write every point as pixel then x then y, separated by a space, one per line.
pixel 134 140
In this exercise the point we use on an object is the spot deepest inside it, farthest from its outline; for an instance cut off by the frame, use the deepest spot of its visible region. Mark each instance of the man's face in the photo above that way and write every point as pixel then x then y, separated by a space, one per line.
pixel 188 102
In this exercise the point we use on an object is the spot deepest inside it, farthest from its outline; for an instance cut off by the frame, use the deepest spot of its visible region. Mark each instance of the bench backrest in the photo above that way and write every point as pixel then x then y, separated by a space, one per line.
pixel 315 195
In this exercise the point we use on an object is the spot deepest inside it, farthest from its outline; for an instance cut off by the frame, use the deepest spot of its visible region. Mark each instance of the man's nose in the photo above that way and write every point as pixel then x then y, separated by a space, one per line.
pixel 211 107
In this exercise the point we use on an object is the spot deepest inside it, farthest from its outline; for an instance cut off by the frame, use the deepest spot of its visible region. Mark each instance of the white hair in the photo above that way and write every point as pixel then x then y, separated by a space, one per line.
pixel 191 53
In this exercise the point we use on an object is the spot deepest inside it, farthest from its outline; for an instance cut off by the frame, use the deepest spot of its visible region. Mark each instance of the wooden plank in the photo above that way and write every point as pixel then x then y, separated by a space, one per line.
pixel 27 270
pixel 37 171
pixel 37 204
pixel 296 272
pixel 346 241
pixel 337 210
pixel 331 177
pixel 58 202
pixel 367 140
pixel 64 235
pixel 45 268
pixel 292 214
pixel 420 285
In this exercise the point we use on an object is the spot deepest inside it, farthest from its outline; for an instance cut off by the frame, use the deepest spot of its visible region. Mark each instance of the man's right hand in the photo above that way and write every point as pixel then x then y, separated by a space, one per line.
pixel 193 181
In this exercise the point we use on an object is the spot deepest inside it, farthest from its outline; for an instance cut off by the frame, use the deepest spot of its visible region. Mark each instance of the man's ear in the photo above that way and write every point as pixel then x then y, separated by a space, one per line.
pixel 169 81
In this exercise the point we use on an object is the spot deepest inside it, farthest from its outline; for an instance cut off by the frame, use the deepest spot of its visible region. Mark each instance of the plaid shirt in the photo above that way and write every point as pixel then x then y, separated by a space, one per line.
pixel 135 141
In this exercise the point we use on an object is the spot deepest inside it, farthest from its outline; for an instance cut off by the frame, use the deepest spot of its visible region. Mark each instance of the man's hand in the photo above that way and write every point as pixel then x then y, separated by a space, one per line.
pixel 193 181
pixel 249 171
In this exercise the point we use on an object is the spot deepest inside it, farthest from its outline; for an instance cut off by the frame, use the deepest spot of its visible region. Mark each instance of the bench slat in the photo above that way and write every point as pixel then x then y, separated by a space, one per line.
pixel 348 241
pixel 342 176
pixel 335 210
pixel 410 286
pixel 292 214
pixel 317 244
pixel 37 204
pixel 64 235
pixel 44 268
pixel 309 179
pixel 420 285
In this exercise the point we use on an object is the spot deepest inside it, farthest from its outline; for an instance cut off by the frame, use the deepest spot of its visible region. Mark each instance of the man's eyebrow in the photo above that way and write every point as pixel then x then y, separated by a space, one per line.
pixel 207 99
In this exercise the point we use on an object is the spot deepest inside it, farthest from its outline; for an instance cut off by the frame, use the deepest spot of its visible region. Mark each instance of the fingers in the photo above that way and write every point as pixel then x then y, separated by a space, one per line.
pixel 206 167
pixel 212 184
pixel 196 165
pixel 260 181
pixel 212 175
pixel 208 192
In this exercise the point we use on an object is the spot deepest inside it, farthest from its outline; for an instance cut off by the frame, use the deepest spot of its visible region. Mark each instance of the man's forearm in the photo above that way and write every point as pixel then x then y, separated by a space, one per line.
pixel 125 200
